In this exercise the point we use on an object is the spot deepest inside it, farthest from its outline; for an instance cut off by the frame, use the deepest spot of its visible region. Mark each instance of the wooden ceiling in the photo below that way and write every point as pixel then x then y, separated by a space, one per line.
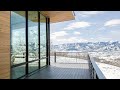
pixel 55 16
pixel 58 16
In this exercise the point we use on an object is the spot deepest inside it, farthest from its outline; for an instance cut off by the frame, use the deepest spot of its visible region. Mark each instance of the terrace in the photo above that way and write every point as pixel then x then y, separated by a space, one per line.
pixel 27 55
pixel 69 65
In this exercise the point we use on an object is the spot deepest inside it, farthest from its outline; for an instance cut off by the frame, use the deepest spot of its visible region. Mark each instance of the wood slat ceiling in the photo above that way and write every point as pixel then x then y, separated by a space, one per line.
pixel 32 15
pixel 55 16
pixel 58 16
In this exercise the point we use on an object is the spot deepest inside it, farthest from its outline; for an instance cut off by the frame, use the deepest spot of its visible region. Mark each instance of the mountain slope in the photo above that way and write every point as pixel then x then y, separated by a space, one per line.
pixel 88 46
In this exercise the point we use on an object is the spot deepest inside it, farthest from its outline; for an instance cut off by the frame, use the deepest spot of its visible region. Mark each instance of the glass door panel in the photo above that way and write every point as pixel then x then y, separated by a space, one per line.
pixel 18 42
pixel 43 39
pixel 32 39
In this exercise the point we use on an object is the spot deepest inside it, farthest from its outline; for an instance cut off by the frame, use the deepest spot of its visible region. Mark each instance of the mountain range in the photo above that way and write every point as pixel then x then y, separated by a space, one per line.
pixel 88 46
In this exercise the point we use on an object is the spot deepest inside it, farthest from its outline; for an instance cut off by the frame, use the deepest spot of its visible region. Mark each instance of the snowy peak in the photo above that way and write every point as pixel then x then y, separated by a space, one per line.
pixel 88 46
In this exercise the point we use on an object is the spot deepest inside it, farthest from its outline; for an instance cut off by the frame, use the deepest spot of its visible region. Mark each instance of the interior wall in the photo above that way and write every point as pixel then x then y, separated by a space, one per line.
pixel 4 44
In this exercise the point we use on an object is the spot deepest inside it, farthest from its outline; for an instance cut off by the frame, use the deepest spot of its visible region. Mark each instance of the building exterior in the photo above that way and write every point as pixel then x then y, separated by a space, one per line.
pixel 25 40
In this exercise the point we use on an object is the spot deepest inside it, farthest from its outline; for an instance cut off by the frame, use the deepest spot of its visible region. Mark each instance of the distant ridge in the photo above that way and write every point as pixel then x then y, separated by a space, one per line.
pixel 88 46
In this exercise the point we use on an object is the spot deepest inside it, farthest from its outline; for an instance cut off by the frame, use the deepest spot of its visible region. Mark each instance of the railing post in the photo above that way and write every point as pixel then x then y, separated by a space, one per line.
pixel 90 67
pixel 96 73
pixel 94 77
pixel 92 72
pixel 55 57
pixel 76 57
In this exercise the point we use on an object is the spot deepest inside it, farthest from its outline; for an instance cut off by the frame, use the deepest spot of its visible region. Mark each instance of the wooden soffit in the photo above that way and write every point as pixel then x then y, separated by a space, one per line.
pixel 55 16
pixel 58 16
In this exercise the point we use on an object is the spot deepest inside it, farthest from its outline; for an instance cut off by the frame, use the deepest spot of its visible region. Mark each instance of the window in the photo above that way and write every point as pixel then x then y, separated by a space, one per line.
pixel 43 39
pixel 18 71
pixel 33 39
pixel 18 43
pixel 25 59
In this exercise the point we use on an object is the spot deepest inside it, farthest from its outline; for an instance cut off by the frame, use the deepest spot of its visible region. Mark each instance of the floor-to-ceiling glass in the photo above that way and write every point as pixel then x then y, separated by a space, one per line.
pixel 33 40
pixel 42 40
pixel 27 35
pixel 18 43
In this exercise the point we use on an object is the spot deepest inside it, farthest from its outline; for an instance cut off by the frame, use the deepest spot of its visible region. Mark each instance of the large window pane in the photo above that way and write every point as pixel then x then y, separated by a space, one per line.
pixel 33 66
pixel 18 71
pixel 18 43
pixel 42 37
pixel 33 38
pixel 18 37
pixel 43 62
pixel 33 35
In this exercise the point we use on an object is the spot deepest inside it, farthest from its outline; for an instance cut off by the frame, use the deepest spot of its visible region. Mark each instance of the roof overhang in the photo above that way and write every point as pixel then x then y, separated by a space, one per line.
pixel 58 16
pixel 55 16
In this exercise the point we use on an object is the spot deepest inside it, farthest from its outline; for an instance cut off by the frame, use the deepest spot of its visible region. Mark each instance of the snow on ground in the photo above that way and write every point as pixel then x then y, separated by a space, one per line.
pixel 108 56
pixel 110 71
pixel 60 59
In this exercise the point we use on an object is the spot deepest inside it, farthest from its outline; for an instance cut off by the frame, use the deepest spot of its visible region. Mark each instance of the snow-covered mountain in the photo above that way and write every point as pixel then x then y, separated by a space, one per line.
pixel 88 46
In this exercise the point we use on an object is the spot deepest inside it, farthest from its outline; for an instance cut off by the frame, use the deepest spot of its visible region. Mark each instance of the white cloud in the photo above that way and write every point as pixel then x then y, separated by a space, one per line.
pixel 60 33
pixel 76 39
pixel 105 39
pixel 112 22
pixel 77 33
pixel 67 40
pixel 115 34
pixel 89 13
pixel 99 39
pixel 75 25
pixel 91 38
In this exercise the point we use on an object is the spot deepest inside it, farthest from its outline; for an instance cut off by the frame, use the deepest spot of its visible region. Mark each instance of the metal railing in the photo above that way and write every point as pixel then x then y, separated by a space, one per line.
pixel 95 72
pixel 69 57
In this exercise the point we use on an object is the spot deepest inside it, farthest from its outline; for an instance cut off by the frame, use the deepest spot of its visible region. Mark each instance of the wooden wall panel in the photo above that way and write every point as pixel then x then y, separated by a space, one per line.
pixel 4 44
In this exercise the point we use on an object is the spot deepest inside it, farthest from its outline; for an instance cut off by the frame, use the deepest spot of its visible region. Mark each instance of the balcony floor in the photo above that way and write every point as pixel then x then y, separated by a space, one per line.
pixel 63 71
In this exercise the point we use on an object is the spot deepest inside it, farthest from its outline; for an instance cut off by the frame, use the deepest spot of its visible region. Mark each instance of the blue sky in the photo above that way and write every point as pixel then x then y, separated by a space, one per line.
pixel 88 26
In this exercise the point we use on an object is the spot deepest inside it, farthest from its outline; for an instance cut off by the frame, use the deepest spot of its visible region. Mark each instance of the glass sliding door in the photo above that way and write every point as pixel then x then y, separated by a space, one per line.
pixel 18 43
pixel 33 40
pixel 18 71
pixel 28 42
pixel 42 40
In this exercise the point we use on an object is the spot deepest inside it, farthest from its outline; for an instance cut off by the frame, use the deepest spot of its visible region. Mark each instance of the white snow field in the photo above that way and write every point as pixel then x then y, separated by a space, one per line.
pixel 60 59
pixel 110 71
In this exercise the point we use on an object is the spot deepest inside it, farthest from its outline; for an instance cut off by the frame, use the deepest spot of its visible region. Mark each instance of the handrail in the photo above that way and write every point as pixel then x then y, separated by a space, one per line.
pixel 66 54
pixel 95 70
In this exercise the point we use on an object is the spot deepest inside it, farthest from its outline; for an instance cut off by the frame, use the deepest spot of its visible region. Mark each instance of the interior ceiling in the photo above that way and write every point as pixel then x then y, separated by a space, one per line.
pixel 55 16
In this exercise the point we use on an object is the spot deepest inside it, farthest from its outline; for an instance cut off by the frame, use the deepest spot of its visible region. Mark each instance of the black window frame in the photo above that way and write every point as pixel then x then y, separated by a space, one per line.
pixel 27 52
